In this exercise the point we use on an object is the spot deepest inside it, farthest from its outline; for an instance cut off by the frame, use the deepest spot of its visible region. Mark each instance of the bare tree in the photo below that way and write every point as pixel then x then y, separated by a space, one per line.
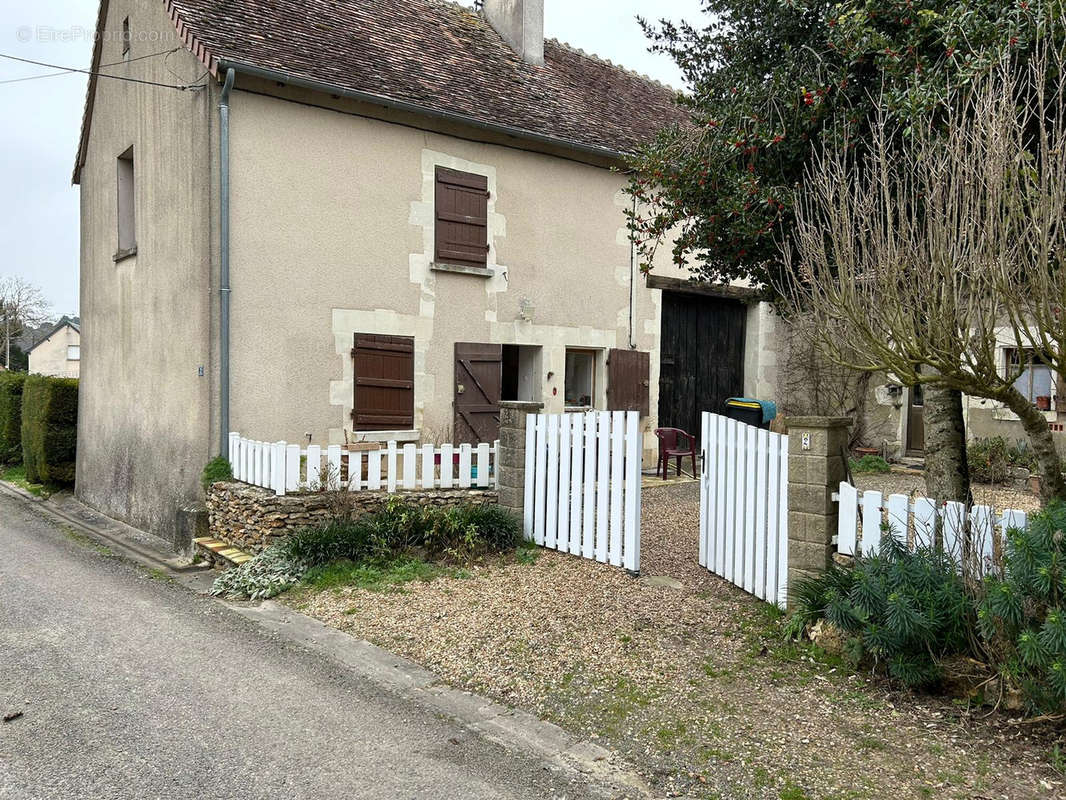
pixel 22 305
pixel 928 255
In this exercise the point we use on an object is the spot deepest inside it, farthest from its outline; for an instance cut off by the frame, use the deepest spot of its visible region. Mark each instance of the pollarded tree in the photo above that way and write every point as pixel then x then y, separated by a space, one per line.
pixel 930 253
pixel 21 306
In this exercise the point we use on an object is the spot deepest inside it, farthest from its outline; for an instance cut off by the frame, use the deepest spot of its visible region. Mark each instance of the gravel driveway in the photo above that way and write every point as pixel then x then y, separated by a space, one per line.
pixel 695 686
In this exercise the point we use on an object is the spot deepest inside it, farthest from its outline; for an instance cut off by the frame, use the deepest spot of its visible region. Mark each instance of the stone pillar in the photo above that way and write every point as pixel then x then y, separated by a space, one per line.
pixel 511 460
pixel 817 447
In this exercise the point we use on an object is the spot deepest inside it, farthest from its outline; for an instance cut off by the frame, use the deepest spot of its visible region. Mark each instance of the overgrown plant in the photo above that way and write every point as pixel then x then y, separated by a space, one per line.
pixel 992 459
pixel 905 610
pixel 870 465
pixel 1022 617
pixel 215 470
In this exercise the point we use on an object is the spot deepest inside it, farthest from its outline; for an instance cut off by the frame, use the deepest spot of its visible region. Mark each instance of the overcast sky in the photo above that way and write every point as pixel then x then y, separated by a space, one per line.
pixel 40 119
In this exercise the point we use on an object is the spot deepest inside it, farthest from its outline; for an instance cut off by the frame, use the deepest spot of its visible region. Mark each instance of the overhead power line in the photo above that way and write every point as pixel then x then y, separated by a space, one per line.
pixel 67 70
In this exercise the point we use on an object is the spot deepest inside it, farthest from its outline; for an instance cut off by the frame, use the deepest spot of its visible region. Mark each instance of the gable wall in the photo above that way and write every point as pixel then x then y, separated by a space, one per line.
pixel 49 357
pixel 146 323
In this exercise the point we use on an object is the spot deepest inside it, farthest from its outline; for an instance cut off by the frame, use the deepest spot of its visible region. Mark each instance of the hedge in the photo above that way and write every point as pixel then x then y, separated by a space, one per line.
pixel 11 417
pixel 49 428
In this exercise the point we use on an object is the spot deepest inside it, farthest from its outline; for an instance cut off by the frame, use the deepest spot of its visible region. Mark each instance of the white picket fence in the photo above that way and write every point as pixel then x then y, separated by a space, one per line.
pixel 744 506
pixel 582 485
pixel 285 467
pixel 913 522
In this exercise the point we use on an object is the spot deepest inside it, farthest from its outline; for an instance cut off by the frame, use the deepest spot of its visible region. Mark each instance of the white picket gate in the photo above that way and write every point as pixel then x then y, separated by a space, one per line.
pixel 582 485
pixel 285 467
pixel 744 506
pixel 913 522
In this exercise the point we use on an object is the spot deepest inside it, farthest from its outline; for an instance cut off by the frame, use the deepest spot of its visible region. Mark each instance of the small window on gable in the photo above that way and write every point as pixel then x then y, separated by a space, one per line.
pixel 126 37
pixel 73 352
pixel 384 373
pixel 461 218
pixel 126 191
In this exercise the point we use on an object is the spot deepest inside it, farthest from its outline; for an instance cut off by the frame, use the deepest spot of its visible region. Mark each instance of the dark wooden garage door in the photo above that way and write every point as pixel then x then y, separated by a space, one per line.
pixel 478 383
pixel 701 357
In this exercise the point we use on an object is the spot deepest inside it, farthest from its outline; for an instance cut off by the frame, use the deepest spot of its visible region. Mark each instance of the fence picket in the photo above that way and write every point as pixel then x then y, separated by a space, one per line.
pixel 333 467
pixel 722 498
pixel 773 475
pixel 577 439
pixel 750 538
pixel 848 519
pixel 355 470
pixel 429 468
pixel 447 465
pixel 292 467
pixel 782 521
pixel 541 478
pixel 871 522
pixel 706 503
pixel 924 522
pixel 314 466
pixel 631 530
pixel 391 474
pixel 530 476
pixel 762 443
pixel 562 541
pixel 614 548
pixel 410 459
pixel 954 528
pixel 732 477
pixel 982 534
pixel 551 530
pixel 373 470
pixel 603 485
pixel 483 471
pixel 898 508
pixel 588 529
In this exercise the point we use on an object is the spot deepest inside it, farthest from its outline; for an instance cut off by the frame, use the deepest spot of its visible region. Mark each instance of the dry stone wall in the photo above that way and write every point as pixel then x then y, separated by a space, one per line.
pixel 251 518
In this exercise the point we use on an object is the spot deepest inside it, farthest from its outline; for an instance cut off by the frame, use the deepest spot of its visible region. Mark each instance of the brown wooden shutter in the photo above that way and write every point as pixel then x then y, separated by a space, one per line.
pixel 628 380
pixel 384 371
pixel 478 388
pixel 462 218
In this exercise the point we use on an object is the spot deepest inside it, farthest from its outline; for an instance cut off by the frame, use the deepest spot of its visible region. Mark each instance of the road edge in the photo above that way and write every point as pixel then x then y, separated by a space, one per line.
pixel 511 728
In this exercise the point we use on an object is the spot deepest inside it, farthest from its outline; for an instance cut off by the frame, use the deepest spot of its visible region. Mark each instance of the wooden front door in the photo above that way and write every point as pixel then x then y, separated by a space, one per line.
pixel 478 383
pixel 701 357
pixel 916 420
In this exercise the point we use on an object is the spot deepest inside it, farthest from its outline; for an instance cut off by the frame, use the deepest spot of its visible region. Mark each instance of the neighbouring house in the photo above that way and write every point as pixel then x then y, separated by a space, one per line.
pixel 366 221
pixel 58 351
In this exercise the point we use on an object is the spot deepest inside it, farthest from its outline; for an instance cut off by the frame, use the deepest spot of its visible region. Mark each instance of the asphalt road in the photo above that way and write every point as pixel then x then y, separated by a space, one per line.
pixel 132 686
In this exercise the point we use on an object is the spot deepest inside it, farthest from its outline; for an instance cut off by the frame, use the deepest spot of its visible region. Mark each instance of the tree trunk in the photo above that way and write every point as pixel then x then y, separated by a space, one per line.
pixel 1047 456
pixel 947 473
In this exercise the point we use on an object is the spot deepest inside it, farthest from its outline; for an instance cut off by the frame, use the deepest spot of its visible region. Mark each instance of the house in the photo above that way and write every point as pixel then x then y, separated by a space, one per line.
pixel 58 351
pixel 367 221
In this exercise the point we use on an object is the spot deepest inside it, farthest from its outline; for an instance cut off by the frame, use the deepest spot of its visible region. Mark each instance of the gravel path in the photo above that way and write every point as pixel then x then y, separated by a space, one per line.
pixel 695 686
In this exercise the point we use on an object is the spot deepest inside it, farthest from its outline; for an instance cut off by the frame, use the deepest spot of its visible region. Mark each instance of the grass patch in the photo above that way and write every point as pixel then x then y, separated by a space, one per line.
pixel 377 576
pixel 17 476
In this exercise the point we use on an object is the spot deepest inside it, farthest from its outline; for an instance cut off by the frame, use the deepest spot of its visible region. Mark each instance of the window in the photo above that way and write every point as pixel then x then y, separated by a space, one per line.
pixel 461 224
pixel 580 381
pixel 127 227
pixel 384 373
pixel 126 37
pixel 73 352
pixel 1036 381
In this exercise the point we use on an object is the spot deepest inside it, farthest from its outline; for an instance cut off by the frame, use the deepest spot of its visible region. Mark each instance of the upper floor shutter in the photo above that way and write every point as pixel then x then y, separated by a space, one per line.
pixel 462 218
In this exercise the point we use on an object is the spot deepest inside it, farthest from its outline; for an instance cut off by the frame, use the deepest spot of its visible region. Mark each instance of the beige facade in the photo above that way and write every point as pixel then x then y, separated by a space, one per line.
pixel 332 234
pixel 58 354
pixel 146 380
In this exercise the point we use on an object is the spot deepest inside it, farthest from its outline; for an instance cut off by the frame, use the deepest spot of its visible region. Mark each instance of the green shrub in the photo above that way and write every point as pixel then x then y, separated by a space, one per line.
pixel 905 610
pixel 1022 618
pixel 215 470
pixel 372 543
pixel 11 417
pixel 869 465
pixel 49 429
pixel 992 459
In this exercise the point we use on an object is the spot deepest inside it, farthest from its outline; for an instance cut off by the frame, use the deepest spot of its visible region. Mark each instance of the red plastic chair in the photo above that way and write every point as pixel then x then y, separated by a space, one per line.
pixel 674 443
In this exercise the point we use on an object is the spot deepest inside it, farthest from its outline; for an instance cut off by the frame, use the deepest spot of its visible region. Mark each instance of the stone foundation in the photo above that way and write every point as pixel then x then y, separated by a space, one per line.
pixel 251 518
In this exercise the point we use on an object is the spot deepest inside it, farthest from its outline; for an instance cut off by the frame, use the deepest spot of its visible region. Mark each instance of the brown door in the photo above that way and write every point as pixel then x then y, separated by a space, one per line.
pixel 478 382
pixel 916 420
pixel 628 379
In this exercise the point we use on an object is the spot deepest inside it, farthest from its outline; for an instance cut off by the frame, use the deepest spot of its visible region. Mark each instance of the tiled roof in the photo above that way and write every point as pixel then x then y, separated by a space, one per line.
pixel 436 55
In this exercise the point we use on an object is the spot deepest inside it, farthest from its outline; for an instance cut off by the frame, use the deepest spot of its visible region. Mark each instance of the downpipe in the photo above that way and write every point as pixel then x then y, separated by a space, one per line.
pixel 223 247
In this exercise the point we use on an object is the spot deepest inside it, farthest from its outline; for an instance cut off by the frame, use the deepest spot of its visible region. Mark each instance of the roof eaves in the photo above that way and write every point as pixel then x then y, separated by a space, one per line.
pixel 403 105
